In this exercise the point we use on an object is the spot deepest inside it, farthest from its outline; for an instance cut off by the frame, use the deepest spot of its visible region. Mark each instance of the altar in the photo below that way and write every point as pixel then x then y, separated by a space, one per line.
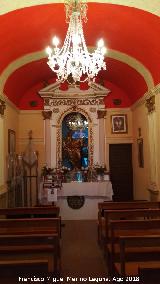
pixel 92 193
pixel 75 149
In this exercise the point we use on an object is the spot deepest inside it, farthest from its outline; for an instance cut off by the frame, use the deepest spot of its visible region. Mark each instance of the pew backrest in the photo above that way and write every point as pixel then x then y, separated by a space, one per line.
pixel 132 214
pixel 27 212
pixel 127 205
pixel 135 241
pixel 30 225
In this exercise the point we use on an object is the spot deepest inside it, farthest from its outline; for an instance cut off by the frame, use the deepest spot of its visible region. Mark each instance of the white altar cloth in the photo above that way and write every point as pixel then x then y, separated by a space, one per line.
pixel 94 193
pixel 100 189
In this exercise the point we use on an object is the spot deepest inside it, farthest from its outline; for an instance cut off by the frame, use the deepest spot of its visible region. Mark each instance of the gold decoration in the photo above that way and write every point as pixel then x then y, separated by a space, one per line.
pixel 55 110
pixel 73 102
pixel 46 114
pixel 47 102
pixel 92 109
pixel 150 104
pixel 2 107
pixel 101 113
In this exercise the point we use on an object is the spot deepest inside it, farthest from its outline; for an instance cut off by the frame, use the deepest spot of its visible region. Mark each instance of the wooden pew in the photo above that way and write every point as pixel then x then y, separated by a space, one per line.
pixel 103 206
pixel 126 228
pixel 146 242
pixel 133 214
pixel 149 273
pixel 30 249
pixel 30 240
pixel 27 212
pixel 30 212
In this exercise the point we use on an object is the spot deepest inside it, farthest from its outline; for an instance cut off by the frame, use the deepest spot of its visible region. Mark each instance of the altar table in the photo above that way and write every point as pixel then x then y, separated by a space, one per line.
pixel 93 192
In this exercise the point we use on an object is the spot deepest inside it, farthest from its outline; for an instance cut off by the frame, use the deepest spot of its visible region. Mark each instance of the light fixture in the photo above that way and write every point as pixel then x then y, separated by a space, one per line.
pixel 73 61
pixel 76 121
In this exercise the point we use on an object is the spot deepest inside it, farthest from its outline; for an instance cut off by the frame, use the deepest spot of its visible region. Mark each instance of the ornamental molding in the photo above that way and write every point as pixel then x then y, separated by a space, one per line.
pixel 150 104
pixel 101 114
pixel 47 114
pixel 72 101
pixel 54 91
pixel 147 95
pixel 55 110
pixel 4 98
pixel 54 97
pixel 2 107
pixel 93 109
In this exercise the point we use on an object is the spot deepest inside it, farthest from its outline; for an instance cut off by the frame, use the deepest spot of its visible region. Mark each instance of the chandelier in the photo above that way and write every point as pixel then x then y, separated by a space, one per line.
pixel 73 61
pixel 76 121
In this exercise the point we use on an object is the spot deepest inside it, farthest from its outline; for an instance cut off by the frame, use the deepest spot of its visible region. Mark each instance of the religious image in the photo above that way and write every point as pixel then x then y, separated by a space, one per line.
pixel 75 141
pixel 119 123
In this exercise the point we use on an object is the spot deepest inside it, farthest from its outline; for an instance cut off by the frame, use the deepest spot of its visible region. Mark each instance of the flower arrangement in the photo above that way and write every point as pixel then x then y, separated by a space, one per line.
pixel 99 169
pixel 65 170
pixel 46 171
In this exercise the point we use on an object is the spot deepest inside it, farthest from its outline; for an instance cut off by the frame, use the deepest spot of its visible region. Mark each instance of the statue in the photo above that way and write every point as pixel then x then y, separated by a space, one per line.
pixel 72 150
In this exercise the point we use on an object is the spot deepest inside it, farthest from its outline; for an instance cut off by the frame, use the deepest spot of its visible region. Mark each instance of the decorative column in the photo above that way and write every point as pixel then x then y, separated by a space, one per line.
pixel 47 116
pixel 101 116
pixel 153 144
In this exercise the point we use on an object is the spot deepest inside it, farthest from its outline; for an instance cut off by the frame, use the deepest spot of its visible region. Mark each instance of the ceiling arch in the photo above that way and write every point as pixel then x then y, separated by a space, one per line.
pixel 28 58
pixel 37 72
pixel 130 29
pixel 151 6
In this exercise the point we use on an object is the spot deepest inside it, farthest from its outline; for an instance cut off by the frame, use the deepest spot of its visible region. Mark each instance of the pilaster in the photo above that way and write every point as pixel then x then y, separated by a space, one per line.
pixel 47 114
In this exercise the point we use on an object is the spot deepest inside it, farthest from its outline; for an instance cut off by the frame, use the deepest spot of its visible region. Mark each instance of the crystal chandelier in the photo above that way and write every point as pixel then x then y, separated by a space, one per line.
pixel 76 122
pixel 73 60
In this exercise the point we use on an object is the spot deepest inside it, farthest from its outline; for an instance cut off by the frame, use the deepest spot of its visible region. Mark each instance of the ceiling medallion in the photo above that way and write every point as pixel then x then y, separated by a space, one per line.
pixel 73 62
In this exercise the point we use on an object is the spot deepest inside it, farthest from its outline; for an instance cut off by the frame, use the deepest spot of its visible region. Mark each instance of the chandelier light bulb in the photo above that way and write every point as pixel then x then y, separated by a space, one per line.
pixel 55 41
pixel 74 60
pixel 100 43
pixel 104 50
pixel 48 50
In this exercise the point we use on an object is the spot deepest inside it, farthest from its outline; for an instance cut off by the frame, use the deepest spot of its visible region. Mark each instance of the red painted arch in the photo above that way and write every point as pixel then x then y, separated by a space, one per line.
pixel 125 29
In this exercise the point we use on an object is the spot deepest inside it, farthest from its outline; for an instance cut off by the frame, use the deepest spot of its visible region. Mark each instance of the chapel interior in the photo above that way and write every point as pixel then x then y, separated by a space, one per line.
pixel 79 153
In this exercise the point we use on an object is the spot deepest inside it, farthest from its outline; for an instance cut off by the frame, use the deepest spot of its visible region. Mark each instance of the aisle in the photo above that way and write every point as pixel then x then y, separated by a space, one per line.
pixel 81 255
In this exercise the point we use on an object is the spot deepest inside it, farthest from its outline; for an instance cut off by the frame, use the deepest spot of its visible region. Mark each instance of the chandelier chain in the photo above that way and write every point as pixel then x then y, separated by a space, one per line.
pixel 79 6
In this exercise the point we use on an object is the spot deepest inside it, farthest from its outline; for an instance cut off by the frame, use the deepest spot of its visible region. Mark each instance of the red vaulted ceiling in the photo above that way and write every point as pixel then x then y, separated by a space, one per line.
pixel 128 30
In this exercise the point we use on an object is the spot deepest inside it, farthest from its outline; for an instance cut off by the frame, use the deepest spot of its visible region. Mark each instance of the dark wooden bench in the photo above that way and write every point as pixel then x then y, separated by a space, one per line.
pixel 132 214
pixel 30 212
pixel 127 228
pixel 30 240
pixel 149 273
pixel 146 242
pixel 104 206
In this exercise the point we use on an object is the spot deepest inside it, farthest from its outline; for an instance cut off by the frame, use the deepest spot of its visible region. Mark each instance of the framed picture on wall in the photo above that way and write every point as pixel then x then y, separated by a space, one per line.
pixel 11 141
pixel 119 123
pixel 140 152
